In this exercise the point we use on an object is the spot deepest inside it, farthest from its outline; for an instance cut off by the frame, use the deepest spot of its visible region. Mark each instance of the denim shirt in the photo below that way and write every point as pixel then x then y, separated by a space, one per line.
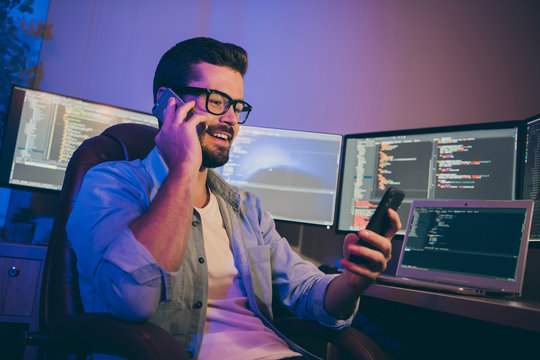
pixel 118 274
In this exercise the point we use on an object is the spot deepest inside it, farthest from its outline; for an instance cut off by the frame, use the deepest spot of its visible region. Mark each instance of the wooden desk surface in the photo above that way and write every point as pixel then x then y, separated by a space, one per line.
pixel 514 312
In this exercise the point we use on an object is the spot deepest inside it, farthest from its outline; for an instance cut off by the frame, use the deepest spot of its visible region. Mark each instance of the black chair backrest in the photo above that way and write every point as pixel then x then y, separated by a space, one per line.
pixel 60 286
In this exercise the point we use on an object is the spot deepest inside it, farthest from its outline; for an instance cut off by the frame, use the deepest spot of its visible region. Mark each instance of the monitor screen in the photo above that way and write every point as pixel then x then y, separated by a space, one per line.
pixel 531 172
pixel 44 129
pixel 444 163
pixel 295 173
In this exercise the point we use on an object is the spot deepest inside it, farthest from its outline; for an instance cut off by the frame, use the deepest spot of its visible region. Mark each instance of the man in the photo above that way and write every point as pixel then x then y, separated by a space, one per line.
pixel 166 239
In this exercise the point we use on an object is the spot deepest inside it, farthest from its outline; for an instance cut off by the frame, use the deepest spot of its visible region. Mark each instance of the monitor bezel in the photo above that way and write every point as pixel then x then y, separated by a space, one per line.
pixel 11 130
pixel 522 162
pixel 506 124
pixel 535 242
pixel 340 162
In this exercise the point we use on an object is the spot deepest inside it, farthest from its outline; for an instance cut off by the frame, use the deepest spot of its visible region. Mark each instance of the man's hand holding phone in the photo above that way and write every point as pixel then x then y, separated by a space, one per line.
pixel 368 252
pixel 178 138
pixel 343 291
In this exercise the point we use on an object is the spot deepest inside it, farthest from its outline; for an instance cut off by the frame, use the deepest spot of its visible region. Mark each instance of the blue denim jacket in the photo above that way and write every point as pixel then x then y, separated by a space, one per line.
pixel 118 275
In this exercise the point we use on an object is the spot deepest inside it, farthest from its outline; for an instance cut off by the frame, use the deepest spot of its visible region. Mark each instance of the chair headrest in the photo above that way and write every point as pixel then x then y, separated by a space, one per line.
pixel 60 289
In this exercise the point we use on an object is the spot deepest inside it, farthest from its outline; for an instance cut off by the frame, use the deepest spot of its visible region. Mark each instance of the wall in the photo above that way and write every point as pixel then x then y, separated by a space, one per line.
pixel 338 66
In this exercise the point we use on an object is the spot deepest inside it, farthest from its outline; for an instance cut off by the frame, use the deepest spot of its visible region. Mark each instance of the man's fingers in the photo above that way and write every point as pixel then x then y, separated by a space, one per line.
pixel 395 224
pixel 182 111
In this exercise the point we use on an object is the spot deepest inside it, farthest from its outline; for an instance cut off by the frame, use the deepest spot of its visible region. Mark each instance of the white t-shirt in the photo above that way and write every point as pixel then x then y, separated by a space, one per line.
pixel 232 331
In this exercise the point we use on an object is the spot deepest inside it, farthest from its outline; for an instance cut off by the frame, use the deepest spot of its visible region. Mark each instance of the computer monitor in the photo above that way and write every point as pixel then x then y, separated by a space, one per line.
pixel 295 173
pixel 477 161
pixel 43 130
pixel 531 172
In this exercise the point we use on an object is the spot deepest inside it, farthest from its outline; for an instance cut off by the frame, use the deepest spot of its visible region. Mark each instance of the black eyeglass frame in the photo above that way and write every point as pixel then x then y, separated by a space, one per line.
pixel 190 90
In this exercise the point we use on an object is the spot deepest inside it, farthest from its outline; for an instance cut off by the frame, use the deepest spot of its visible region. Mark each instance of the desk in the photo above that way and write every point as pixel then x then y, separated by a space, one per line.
pixel 419 324
pixel 522 313
pixel 417 332
pixel 518 313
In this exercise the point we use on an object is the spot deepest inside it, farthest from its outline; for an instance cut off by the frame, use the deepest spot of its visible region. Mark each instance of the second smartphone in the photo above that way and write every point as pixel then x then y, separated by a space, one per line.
pixel 379 222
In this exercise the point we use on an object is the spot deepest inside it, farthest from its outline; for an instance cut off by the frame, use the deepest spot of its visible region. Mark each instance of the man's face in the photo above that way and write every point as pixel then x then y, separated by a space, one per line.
pixel 221 130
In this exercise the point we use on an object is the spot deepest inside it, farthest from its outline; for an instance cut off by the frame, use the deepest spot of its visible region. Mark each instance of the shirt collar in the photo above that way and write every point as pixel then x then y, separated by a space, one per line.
pixel 230 194
pixel 158 170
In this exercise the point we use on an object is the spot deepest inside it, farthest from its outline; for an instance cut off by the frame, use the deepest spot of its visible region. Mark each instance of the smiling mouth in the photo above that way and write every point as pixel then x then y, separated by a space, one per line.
pixel 222 133
pixel 219 135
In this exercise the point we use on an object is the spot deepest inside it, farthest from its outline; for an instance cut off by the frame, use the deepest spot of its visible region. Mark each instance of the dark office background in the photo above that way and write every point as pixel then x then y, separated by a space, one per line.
pixel 337 66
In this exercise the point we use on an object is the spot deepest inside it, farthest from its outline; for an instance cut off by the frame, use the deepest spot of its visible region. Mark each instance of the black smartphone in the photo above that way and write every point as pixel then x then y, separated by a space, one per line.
pixel 379 221
pixel 161 104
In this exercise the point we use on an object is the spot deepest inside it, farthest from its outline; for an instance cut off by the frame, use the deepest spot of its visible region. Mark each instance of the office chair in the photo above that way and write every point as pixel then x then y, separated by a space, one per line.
pixel 64 328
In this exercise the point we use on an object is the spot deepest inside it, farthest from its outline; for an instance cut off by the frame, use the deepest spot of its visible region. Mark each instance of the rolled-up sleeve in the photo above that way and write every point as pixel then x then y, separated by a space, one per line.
pixel 117 273
pixel 302 288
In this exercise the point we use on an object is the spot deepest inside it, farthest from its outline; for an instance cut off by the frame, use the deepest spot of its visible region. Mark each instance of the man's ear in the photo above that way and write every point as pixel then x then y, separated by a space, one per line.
pixel 160 92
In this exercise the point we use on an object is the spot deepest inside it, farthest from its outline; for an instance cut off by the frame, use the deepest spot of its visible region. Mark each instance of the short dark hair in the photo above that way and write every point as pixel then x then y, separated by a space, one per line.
pixel 175 69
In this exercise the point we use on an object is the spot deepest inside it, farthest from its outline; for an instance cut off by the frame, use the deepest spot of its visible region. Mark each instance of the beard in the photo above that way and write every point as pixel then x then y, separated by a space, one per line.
pixel 212 159
pixel 217 157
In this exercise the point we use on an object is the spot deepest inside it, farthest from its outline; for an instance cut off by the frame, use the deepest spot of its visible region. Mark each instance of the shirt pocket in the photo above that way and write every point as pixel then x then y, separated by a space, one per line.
pixel 259 254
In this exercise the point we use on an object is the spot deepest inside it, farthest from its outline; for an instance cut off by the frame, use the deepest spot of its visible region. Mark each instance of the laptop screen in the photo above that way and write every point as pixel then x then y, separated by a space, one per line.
pixel 476 243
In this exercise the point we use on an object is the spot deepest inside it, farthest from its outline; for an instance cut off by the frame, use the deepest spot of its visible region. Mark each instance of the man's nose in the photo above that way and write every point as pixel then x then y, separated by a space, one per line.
pixel 229 117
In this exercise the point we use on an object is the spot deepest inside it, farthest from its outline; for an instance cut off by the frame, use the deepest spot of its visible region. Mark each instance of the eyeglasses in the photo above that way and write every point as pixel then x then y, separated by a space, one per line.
pixel 217 102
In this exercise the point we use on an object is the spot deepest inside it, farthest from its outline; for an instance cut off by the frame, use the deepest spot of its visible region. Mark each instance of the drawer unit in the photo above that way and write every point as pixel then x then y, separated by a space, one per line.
pixel 19 280
pixel 21 268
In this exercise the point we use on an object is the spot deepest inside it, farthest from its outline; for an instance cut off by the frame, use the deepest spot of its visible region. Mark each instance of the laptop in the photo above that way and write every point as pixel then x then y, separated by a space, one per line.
pixel 474 247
